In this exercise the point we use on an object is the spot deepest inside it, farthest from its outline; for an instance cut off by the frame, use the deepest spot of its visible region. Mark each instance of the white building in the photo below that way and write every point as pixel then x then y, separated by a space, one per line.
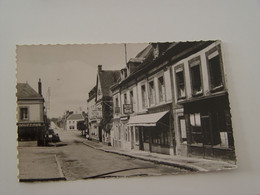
pixel 30 112
pixel 72 121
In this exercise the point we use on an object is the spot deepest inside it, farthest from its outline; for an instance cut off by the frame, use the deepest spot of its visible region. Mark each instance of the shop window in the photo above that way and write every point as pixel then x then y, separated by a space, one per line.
pixel 119 133
pixel 196 130
pixel 146 135
pixel 24 113
pixel 156 137
pixel 180 82
pixel 182 125
pixel 144 96
pixel 215 71
pixel 151 93
pixel 195 74
pixel 161 89
pixel 136 134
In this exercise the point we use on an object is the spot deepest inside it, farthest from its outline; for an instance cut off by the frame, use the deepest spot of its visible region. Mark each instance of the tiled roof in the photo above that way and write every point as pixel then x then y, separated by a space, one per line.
pixel 107 79
pixel 25 91
pixel 75 117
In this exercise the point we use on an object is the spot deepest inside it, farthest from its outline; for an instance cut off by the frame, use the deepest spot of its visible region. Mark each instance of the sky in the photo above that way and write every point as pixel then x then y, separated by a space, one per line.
pixel 69 71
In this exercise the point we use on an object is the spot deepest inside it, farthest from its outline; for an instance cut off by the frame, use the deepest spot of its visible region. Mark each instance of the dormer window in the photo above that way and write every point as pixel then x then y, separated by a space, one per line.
pixel 156 51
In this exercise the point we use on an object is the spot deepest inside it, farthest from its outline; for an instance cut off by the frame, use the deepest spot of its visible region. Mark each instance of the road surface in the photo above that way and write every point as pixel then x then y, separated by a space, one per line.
pixel 79 161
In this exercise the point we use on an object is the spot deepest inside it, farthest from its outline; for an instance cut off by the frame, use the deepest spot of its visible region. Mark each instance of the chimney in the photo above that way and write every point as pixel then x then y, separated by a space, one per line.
pixel 99 68
pixel 40 87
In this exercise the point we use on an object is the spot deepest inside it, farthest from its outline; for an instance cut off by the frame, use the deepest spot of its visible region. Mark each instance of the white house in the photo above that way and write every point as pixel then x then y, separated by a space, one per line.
pixel 72 121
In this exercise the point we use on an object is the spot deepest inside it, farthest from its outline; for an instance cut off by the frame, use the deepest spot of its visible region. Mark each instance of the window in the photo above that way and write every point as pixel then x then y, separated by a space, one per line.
pixel 146 135
pixel 136 134
pixel 182 125
pixel 125 98
pixel 161 89
pixel 195 76
pixel 215 70
pixel 179 75
pixel 144 96
pixel 196 131
pixel 117 108
pixel 132 99
pixel 151 93
pixel 24 115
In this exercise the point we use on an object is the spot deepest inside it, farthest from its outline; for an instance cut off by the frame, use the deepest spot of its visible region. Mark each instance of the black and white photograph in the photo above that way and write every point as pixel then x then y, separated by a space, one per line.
pixel 129 97
pixel 94 111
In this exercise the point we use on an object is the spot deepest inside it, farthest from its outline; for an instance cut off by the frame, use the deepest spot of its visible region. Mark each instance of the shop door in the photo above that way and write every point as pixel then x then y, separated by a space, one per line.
pixel 207 135
pixel 141 138
pixel 132 137
pixel 100 133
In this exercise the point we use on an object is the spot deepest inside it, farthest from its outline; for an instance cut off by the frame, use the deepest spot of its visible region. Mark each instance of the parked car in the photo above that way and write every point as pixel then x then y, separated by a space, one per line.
pixel 51 136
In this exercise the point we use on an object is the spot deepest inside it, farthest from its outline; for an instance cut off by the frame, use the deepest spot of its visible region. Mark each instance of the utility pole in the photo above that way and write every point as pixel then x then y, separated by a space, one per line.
pixel 125 54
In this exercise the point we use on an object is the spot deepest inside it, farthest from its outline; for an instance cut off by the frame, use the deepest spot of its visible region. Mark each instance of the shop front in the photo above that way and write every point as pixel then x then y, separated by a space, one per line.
pixel 153 131
pixel 209 128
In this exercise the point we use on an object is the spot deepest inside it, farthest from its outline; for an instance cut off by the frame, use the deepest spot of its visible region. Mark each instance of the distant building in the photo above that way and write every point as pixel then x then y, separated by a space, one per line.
pixel 100 105
pixel 30 112
pixel 72 121
pixel 91 111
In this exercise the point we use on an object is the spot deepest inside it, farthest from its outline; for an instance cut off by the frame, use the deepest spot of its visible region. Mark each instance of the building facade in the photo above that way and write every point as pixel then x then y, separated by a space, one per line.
pixel 173 99
pixel 91 111
pixel 142 104
pixel 202 111
pixel 72 121
pixel 30 113
pixel 100 105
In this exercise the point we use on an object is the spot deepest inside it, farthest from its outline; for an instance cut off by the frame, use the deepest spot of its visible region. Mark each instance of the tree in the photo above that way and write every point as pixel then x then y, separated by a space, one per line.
pixel 82 126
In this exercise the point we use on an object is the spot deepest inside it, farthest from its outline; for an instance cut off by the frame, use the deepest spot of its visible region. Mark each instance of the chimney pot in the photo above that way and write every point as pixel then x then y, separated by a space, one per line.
pixel 99 68
pixel 40 87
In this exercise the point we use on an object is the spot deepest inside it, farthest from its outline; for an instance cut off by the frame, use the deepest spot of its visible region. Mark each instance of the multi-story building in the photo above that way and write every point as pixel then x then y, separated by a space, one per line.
pixel 142 103
pixel 201 110
pixel 30 112
pixel 91 111
pixel 72 121
pixel 101 100
pixel 172 99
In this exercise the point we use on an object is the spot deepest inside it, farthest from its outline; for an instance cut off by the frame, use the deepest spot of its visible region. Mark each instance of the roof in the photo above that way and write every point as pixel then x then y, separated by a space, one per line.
pixel 145 52
pixel 174 52
pixel 107 79
pixel 75 117
pixel 25 91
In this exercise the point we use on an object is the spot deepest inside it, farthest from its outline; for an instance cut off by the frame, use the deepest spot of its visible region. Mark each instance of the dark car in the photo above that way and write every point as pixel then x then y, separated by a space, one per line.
pixel 51 136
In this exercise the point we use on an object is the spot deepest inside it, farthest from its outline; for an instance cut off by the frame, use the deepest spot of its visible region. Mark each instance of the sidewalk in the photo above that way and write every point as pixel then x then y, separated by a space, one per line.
pixel 38 163
pixel 188 163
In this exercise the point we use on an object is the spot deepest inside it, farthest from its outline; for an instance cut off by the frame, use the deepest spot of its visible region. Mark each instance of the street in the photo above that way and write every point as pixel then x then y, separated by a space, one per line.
pixel 79 161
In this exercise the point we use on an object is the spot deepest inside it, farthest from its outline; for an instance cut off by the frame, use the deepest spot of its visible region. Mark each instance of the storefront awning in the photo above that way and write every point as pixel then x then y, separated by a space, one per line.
pixel 146 119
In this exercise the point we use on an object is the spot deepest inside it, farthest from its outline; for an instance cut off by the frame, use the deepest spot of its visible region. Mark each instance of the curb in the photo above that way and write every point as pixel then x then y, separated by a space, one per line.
pixel 174 164
pixel 59 167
